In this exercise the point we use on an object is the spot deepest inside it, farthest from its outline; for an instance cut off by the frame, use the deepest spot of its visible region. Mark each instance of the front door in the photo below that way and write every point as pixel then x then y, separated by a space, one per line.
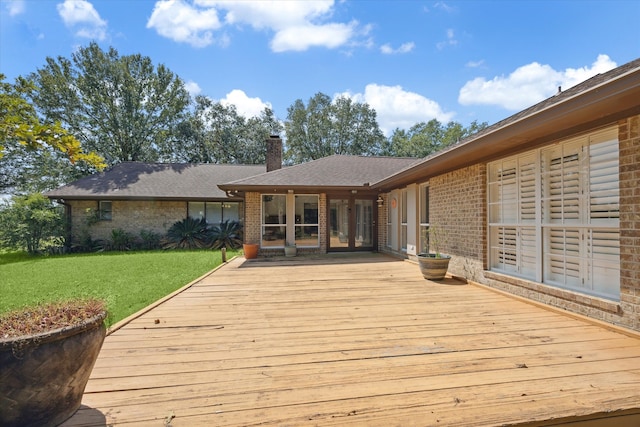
pixel 351 224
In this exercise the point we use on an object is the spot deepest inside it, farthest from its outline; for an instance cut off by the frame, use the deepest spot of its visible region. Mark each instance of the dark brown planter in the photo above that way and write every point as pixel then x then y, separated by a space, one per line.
pixel 43 377
pixel 432 267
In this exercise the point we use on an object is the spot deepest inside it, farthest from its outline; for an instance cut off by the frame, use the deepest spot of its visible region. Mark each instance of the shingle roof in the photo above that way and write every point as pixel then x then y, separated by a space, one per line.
pixel 333 171
pixel 173 181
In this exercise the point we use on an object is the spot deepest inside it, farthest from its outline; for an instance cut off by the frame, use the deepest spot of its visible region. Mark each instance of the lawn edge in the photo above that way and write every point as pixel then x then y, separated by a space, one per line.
pixel 118 325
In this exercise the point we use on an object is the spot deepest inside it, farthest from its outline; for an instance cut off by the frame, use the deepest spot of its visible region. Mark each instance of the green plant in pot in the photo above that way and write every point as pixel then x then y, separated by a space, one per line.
pixel 433 265
pixel 47 354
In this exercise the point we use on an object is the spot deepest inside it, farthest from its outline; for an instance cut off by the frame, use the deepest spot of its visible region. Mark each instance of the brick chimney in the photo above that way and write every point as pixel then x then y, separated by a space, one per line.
pixel 274 153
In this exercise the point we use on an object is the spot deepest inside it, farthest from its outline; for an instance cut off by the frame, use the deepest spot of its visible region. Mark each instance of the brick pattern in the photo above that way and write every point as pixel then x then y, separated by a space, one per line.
pixel 383 215
pixel 629 138
pixel 457 208
pixel 131 216
pixel 252 220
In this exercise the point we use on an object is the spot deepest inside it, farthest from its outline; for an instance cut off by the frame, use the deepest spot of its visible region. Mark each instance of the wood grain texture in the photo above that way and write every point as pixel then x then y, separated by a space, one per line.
pixel 357 340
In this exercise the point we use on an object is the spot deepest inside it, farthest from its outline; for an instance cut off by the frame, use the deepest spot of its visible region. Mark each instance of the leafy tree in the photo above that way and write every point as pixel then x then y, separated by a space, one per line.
pixel 323 128
pixel 120 106
pixel 33 153
pixel 27 222
pixel 216 133
pixel 423 139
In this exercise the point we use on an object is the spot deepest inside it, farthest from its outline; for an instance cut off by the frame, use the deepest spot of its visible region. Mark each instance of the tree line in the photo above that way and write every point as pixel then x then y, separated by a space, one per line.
pixel 75 116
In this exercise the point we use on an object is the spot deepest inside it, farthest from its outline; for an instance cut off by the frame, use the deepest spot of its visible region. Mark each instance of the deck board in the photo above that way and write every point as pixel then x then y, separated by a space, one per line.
pixel 357 340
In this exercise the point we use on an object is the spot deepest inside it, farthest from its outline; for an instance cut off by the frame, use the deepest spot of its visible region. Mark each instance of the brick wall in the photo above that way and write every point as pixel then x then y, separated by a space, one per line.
pixel 457 209
pixel 131 216
pixel 629 138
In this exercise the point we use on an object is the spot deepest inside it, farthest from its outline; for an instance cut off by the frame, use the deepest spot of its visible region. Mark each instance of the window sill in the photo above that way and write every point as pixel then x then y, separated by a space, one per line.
pixel 564 294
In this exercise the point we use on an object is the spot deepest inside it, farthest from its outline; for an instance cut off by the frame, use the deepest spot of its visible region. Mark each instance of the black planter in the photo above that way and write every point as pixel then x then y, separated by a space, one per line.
pixel 43 377
pixel 432 267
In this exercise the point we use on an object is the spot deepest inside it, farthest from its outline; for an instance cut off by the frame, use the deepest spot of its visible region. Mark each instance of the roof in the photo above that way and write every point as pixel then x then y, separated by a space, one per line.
pixel 599 101
pixel 333 172
pixel 158 181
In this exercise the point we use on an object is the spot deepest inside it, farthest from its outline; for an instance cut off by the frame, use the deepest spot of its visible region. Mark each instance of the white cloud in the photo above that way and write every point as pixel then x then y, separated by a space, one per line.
pixel 15 7
pixel 247 107
pixel 404 48
pixel 193 88
pixel 181 22
pixel 450 41
pixel 528 84
pixel 398 108
pixel 83 17
pixel 296 25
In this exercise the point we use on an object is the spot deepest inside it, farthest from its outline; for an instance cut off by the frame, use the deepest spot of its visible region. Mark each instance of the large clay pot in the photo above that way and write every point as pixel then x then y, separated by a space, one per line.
pixel 250 250
pixel 43 377
pixel 432 267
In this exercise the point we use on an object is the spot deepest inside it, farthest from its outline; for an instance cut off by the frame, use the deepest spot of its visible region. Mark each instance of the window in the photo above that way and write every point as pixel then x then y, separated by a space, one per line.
pixel 274 220
pixel 105 209
pixel 554 215
pixel 424 219
pixel 306 225
pixel 215 212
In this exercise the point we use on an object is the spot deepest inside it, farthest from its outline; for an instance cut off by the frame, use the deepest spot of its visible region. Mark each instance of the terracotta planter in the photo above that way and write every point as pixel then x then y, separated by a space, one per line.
pixel 433 268
pixel 250 250
pixel 43 377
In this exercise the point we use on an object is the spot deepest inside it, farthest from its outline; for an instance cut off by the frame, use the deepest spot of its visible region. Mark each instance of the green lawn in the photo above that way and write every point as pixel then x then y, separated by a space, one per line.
pixel 127 281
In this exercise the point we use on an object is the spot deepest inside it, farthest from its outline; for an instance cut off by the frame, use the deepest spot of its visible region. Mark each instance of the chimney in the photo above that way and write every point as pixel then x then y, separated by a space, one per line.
pixel 274 153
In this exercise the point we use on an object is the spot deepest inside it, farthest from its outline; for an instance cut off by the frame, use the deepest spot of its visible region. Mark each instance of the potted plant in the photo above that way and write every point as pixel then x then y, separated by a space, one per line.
pixel 433 266
pixel 290 250
pixel 47 354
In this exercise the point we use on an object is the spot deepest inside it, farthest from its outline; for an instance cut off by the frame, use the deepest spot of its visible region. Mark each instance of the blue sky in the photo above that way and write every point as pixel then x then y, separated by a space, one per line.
pixel 411 61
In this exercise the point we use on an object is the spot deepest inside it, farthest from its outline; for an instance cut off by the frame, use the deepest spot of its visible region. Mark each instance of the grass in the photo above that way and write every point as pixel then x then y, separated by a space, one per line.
pixel 126 281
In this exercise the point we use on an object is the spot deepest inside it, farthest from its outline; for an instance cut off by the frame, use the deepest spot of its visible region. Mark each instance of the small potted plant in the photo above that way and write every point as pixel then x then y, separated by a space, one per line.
pixel 434 265
pixel 47 354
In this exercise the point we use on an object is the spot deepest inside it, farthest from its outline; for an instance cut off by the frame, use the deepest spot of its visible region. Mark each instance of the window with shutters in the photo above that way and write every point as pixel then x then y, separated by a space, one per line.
pixel 554 215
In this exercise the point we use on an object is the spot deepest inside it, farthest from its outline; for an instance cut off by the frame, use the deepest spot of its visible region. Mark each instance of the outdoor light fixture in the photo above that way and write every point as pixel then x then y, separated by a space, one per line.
pixel 380 201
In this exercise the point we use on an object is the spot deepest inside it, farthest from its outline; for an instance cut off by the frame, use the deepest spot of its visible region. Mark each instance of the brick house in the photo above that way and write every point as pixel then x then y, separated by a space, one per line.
pixel 135 196
pixel 544 204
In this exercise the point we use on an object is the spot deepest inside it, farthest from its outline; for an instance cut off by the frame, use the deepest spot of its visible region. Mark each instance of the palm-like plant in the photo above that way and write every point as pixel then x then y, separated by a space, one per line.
pixel 228 234
pixel 190 233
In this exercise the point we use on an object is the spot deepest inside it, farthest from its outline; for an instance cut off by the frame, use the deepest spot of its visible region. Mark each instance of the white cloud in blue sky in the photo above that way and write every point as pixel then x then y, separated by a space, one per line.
pixel 528 84
pixel 14 7
pixel 411 61
pixel 82 17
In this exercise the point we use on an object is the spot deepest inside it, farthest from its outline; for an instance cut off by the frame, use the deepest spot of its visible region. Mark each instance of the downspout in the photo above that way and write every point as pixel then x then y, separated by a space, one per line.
pixel 67 223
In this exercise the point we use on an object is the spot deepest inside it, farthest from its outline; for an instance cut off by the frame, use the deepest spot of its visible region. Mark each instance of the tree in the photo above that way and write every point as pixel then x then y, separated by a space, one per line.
pixel 322 128
pixel 27 222
pixel 32 152
pixel 423 139
pixel 216 133
pixel 120 106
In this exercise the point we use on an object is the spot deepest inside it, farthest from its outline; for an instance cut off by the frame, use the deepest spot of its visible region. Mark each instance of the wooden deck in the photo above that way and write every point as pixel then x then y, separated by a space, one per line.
pixel 357 340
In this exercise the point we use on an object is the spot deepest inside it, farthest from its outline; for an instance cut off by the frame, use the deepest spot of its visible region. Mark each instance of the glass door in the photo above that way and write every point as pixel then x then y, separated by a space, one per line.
pixel 351 224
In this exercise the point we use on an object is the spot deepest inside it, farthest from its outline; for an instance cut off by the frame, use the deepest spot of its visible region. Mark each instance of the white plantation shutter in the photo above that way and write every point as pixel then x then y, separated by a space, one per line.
pixel 604 193
pixel 527 188
pixel 554 214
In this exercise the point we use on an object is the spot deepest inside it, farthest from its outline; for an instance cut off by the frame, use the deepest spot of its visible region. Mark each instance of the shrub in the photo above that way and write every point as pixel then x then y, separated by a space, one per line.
pixel 27 222
pixel 121 240
pixel 150 239
pixel 227 235
pixel 189 233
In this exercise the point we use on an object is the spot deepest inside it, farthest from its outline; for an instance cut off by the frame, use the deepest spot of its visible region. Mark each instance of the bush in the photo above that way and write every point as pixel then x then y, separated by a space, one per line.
pixel 189 233
pixel 27 222
pixel 150 239
pixel 227 235
pixel 121 240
